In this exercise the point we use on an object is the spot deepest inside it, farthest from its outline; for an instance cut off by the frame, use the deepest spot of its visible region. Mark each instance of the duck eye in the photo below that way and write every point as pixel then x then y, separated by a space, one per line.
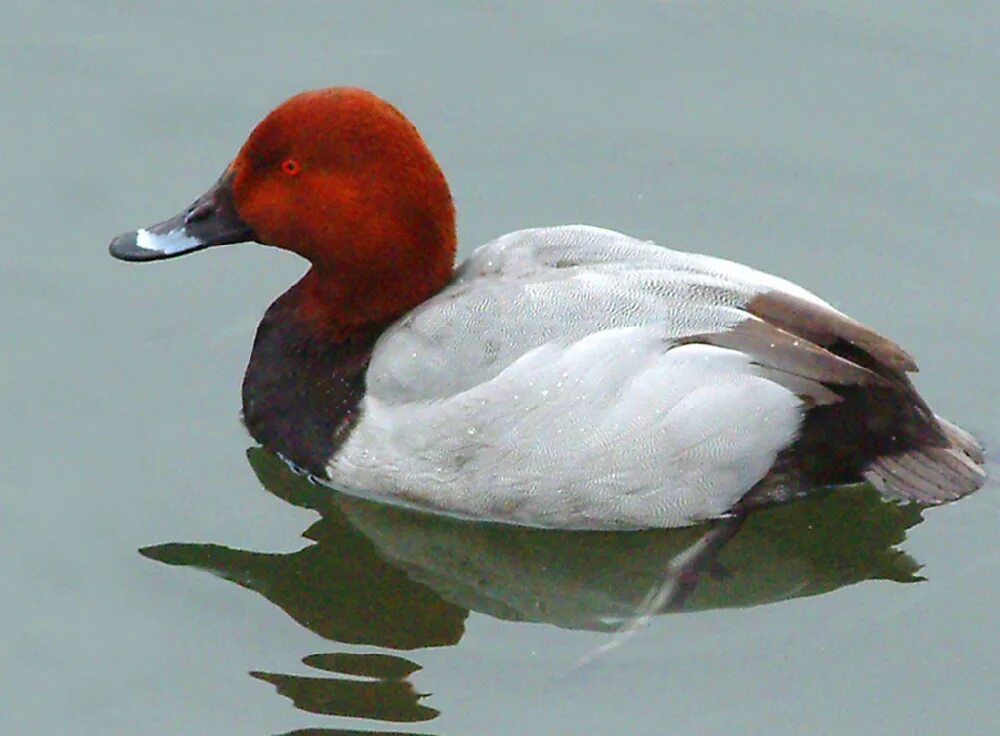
pixel 291 166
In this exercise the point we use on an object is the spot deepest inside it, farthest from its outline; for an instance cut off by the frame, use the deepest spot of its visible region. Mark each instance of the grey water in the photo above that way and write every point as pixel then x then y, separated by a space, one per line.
pixel 162 575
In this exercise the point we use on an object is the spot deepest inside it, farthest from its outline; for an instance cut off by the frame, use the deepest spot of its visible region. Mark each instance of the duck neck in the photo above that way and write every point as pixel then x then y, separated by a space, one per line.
pixel 306 378
pixel 348 291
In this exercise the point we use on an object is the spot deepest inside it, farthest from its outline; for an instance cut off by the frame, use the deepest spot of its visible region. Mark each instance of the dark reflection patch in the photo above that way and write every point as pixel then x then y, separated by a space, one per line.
pixel 383 700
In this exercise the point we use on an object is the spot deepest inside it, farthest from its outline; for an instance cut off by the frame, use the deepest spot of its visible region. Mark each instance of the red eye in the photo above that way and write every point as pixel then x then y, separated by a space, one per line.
pixel 291 166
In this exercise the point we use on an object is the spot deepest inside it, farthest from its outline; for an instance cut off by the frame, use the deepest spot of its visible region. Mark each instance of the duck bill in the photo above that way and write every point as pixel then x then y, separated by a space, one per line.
pixel 211 220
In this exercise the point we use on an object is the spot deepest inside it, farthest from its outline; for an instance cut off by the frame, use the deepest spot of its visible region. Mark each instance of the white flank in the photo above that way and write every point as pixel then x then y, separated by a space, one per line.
pixel 550 384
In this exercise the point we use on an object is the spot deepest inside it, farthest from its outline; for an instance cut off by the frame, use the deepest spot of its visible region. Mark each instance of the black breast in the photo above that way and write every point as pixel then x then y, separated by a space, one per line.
pixel 302 388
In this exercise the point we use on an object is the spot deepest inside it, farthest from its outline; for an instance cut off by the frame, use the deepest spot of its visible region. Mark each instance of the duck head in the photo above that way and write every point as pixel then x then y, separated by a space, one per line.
pixel 342 178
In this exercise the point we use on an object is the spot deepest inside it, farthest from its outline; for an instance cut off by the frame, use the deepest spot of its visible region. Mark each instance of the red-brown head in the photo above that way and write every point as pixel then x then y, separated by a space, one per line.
pixel 342 178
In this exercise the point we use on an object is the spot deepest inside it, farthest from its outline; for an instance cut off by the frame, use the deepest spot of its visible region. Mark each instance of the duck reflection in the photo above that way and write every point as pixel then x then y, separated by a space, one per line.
pixel 402 579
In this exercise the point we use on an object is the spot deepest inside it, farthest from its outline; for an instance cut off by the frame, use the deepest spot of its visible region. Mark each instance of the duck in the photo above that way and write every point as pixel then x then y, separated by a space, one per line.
pixel 567 377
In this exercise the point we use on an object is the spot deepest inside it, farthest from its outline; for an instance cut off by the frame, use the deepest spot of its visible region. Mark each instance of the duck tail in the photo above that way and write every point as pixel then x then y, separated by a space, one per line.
pixel 931 474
